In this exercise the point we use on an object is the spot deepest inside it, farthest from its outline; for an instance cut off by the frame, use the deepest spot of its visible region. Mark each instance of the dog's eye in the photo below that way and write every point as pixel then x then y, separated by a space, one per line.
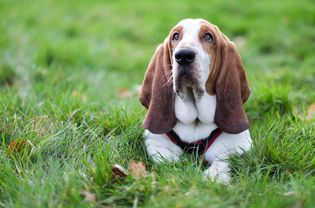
pixel 176 36
pixel 208 37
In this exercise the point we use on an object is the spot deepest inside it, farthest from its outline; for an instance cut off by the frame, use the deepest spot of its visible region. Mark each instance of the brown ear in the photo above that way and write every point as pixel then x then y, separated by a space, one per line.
pixel 157 92
pixel 231 89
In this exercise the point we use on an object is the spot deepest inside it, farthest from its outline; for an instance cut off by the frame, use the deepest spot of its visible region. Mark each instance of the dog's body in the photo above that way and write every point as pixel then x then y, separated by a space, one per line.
pixel 190 89
pixel 161 148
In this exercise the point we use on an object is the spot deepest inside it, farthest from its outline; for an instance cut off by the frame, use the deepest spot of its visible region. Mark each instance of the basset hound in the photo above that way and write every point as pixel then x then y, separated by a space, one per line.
pixel 194 89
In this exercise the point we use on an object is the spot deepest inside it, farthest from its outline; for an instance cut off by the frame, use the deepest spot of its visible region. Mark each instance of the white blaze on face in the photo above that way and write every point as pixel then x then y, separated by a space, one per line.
pixel 191 40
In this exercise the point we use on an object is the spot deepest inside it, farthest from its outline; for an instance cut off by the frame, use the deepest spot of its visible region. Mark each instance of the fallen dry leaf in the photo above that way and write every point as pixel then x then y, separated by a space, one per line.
pixel 137 170
pixel 15 146
pixel 88 196
pixel 118 172
pixel 311 112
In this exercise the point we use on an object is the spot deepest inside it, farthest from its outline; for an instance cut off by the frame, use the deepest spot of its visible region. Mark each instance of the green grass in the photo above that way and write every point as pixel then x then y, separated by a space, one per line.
pixel 62 64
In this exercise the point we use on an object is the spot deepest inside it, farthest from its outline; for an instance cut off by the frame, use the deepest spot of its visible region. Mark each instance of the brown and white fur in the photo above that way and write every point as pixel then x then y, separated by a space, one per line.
pixel 196 98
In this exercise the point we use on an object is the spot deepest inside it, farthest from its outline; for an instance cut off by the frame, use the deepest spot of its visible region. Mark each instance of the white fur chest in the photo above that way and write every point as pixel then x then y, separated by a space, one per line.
pixel 195 118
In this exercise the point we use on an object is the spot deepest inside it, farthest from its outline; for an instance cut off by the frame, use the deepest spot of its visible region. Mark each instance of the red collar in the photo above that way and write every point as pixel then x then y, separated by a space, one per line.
pixel 201 146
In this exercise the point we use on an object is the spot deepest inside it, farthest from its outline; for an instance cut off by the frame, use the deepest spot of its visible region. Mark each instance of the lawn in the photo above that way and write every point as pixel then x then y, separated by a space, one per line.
pixel 69 73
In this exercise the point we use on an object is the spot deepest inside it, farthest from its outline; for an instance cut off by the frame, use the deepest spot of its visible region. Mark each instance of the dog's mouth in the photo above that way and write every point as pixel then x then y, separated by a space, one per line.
pixel 187 80
pixel 185 77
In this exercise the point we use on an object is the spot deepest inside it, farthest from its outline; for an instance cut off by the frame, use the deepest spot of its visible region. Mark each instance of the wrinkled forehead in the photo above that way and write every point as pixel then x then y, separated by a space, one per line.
pixel 192 27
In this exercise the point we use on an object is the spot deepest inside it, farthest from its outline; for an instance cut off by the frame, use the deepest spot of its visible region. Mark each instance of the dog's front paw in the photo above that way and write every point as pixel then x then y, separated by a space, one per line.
pixel 218 172
pixel 161 148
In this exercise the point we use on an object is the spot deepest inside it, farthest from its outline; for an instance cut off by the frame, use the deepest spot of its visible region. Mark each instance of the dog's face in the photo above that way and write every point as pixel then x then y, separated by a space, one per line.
pixel 193 47
pixel 196 57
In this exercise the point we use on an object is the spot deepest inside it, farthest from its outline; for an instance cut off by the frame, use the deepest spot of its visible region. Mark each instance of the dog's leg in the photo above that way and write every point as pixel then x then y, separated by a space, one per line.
pixel 218 171
pixel 161 148
pixel 220 150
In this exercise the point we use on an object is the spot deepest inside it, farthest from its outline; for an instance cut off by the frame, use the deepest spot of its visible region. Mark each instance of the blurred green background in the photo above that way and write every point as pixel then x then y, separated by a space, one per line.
pixel 69 74
pixel 111 42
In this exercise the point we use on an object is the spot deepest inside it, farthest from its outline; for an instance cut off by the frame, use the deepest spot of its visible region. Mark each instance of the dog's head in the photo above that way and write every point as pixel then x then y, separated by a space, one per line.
pixel 195 55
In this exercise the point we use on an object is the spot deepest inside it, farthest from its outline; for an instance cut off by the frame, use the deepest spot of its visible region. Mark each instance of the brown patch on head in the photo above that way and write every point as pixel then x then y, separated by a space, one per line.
pixel 207 46
pixel 227 80
pixel 212 48
pixel 173 43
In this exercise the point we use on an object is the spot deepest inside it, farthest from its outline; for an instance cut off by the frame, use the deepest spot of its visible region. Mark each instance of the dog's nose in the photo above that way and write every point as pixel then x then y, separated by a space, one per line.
pixel 185 56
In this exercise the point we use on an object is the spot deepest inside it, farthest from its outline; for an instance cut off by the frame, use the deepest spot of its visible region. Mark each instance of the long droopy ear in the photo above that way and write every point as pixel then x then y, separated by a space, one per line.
pixel 157 92
pixel 231 89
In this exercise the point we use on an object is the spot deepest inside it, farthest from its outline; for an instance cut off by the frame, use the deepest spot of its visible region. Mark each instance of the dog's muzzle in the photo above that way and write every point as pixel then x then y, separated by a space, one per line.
pixel 186 76
pixel 185 56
